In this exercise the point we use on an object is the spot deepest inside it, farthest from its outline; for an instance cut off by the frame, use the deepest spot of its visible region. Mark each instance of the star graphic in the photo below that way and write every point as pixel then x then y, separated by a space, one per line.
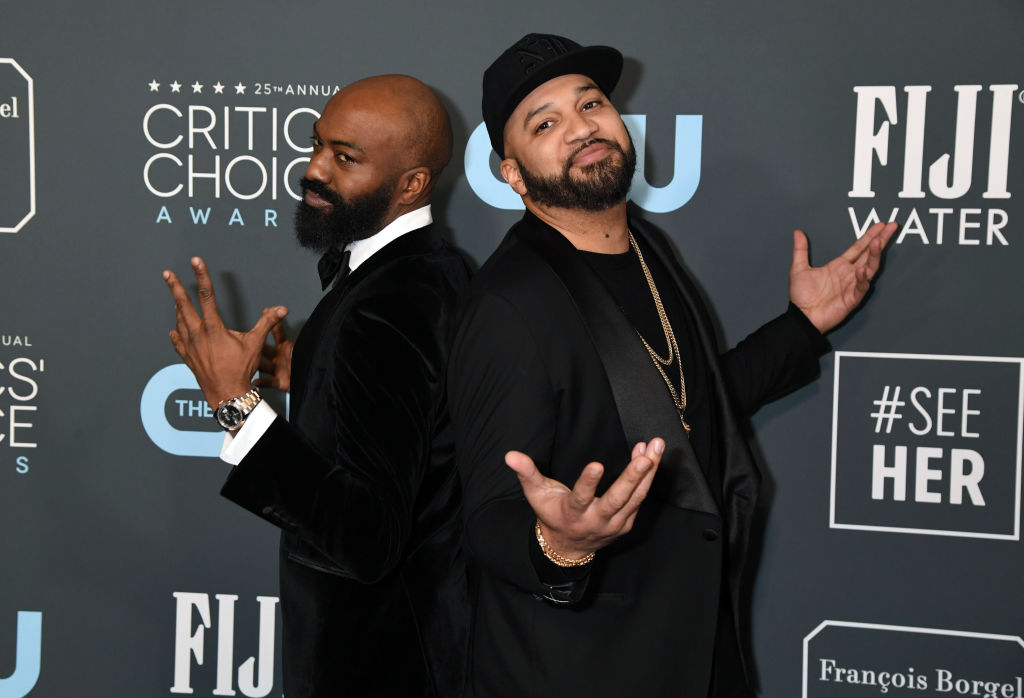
pixel 175 86
pixel 154 86
pixel 196 87
pixel 239 89
pixel 218 88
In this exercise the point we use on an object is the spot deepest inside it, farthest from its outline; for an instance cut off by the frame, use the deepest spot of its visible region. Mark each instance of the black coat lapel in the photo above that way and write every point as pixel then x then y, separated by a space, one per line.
pixel 644 405
pixel 415 242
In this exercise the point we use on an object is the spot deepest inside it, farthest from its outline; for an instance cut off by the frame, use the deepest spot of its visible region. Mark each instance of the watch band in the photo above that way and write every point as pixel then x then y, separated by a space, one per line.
pixel 230 414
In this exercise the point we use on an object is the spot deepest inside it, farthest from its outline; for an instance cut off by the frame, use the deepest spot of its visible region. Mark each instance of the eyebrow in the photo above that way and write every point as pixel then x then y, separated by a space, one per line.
pixel 345 144
pixel 579 91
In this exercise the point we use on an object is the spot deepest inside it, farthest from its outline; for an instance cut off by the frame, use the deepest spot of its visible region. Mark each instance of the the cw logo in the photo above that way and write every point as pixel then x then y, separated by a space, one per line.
pixel 154 418
pixel 153 408
pixel 26 662
pixel 685 177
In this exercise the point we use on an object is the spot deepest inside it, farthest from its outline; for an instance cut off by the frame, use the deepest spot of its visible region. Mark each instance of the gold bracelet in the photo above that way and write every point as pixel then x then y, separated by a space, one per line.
pixel 559 560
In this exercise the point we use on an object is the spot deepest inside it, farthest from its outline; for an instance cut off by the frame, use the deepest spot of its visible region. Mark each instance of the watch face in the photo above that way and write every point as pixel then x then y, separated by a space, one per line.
pixel 229 416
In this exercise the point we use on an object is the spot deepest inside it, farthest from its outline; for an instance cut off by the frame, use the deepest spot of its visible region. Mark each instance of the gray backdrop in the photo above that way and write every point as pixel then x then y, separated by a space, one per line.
pixel 891 556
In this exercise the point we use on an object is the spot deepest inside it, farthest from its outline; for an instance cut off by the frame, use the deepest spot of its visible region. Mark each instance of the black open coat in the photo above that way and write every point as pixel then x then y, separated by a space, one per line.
pixel 362 482
pixel 546 363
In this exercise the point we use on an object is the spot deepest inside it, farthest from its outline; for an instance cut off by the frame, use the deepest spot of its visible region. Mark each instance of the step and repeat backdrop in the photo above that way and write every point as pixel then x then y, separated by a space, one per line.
pixel 133 135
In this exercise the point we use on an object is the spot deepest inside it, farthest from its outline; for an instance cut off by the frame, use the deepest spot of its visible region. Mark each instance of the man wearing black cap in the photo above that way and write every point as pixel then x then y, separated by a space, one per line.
pixel 608 490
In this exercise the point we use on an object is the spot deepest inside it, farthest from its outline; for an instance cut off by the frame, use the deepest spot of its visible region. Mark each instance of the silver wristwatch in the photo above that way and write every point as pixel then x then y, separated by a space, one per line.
pixel 231 414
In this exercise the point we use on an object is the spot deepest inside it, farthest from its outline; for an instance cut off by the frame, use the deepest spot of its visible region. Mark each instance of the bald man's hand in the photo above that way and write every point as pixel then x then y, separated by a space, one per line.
pixel 276 362
pixel 575 522
pixel 222 360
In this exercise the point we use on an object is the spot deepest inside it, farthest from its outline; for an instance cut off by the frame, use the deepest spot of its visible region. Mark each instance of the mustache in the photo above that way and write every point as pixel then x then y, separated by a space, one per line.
pixel 321 190
pixel 592 141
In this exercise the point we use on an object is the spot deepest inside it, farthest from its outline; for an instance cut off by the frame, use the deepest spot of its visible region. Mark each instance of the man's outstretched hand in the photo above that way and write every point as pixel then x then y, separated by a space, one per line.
pixel 222 360
pixel 575 522
pixel 827 294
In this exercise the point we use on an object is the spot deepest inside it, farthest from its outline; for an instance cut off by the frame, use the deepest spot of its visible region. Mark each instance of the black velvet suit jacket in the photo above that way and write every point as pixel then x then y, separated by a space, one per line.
pixel 362 482
pixel 546 363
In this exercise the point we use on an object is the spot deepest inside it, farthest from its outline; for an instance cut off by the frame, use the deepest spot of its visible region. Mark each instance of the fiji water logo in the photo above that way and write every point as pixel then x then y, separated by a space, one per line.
pixel 253 677
pixel 685 176
pixel 950 176
pixel 940 200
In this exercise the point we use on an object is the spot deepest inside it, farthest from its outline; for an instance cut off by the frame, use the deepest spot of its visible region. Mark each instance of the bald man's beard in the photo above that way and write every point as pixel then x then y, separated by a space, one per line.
pixel 345 221
pixel 603 184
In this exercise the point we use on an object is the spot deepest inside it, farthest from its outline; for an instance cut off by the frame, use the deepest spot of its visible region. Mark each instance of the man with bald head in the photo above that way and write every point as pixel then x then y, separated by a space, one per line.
pixel 360 478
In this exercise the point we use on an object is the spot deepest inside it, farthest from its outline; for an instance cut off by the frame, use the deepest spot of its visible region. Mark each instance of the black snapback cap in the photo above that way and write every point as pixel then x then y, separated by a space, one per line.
pixel 532 61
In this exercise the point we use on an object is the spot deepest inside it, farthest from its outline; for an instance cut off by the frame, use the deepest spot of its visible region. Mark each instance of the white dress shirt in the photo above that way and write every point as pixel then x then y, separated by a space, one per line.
pixel 238 443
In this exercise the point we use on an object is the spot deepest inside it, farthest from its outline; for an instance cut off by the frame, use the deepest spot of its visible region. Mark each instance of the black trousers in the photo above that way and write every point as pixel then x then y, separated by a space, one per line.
pixel 727 679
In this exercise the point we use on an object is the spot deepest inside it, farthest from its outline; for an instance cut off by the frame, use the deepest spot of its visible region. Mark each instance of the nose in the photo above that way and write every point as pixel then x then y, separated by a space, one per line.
pixel 317 168
pixel 579 127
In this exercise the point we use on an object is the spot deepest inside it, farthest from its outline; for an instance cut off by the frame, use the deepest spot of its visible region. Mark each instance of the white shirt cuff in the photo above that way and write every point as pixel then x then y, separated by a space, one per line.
pixel 237 444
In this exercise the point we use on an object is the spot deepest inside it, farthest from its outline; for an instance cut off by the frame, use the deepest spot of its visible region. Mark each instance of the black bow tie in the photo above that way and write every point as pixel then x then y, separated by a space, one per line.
pixel 334 263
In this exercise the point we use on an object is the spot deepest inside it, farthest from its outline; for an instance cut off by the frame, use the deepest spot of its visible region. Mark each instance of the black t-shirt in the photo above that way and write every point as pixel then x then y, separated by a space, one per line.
pixel 625 280
pixel 623 275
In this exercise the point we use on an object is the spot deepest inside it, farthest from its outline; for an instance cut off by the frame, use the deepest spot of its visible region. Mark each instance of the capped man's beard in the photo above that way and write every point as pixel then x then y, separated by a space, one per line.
pixel 345 221
pixel 600 186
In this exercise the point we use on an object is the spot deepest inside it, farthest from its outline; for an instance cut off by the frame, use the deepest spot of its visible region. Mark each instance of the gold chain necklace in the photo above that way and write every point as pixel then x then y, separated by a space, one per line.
pixel 678 398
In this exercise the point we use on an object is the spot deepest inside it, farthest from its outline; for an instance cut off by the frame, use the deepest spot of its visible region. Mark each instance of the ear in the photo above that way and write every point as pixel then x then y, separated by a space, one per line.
pixel 510 171
pixel 412 184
